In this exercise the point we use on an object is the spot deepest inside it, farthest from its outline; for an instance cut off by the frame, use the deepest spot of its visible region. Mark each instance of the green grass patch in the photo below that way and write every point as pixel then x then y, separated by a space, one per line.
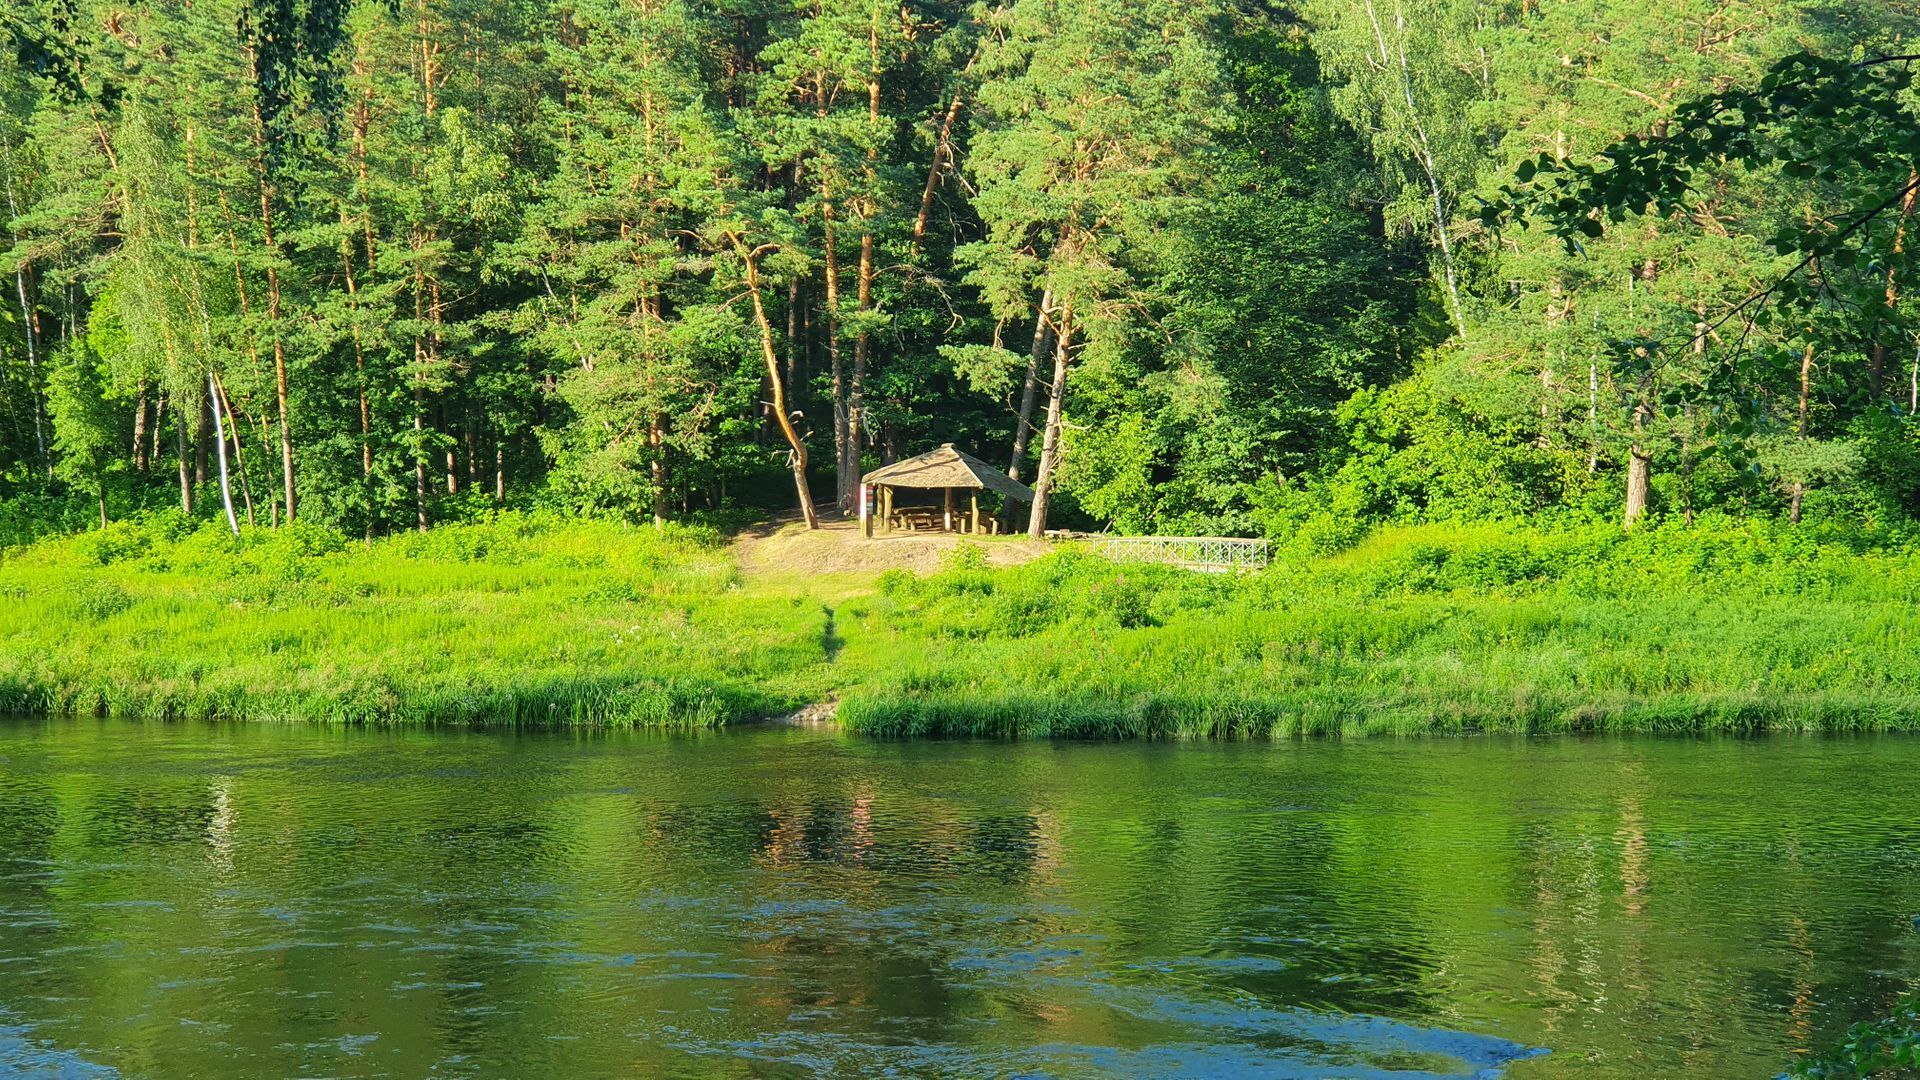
pixel 526 619
pixel 1419 630
pixel 519 620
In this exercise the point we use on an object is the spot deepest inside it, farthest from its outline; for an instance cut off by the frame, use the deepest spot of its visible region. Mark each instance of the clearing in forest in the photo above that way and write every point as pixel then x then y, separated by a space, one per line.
pixel 788 549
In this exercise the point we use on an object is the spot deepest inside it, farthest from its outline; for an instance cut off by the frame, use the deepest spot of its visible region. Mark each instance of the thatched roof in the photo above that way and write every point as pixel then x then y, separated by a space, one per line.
pixel 948 468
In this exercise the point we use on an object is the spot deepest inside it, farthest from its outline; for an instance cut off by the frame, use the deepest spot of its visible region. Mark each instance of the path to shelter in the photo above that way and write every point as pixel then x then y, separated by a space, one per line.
pixel 790 549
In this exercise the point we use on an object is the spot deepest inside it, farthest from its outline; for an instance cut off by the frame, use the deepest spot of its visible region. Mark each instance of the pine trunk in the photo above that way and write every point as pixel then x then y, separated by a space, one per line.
pixel 1050 444
pixel 856 387
pixel 239 448
pixel 280 379
pixel 863 289
pixel 253 354
pixel 421 358
pixel 942 161
pixel 362 118
pixel 797 449
pixel 793 330
pixel 272 251
pixel 835 366
pixel 359 351
pixel 419 466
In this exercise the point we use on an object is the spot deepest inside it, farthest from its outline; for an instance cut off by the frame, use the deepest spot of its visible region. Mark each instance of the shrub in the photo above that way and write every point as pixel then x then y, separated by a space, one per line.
pixel 93 600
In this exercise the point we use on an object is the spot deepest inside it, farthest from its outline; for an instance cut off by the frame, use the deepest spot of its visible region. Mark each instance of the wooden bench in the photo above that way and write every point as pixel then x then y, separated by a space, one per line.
pixel 930 519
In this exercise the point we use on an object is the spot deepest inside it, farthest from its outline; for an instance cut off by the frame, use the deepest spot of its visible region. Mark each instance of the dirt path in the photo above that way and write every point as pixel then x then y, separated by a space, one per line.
pixel 789 549
pixel 835 562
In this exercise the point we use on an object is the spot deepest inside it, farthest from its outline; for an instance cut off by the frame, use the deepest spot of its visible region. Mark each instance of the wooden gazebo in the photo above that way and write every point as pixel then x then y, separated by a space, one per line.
pixel 946 470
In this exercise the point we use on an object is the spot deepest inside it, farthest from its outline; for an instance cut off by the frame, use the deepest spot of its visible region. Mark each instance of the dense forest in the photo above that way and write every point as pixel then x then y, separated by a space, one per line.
pixel 1187 266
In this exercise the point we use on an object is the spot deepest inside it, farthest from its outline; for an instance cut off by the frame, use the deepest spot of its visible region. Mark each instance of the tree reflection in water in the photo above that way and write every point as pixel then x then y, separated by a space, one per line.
pixel 233 900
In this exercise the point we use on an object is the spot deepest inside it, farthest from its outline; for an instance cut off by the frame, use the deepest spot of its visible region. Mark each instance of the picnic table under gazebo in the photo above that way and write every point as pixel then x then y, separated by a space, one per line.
pixel 946 470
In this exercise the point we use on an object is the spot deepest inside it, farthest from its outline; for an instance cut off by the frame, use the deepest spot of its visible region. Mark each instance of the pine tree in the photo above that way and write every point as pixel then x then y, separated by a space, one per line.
pixel 617 244
pixel 1095 121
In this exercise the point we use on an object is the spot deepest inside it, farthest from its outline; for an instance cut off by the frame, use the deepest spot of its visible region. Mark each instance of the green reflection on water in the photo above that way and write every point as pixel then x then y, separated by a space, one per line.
pixel 266 900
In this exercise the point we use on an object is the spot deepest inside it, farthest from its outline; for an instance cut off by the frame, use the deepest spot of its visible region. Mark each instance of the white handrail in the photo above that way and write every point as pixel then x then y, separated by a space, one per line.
pixel 1194 552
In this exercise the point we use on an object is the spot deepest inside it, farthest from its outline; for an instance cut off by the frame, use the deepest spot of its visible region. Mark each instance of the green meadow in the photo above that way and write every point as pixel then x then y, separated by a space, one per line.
pixel 515 621
pixel 534 620
pixel 1425 630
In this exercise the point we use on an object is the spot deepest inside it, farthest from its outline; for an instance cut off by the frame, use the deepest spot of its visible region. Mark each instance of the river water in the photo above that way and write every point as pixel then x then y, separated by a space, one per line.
pixel 263 900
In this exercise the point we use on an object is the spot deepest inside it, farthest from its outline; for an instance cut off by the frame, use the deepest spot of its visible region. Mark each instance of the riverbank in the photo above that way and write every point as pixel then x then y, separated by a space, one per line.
pixel 517 621
pixel 1434 634
pixel 528 620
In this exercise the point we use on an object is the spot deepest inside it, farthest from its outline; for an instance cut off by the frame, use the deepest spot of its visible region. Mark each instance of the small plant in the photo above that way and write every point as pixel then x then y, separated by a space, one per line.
pixel 94 599
pixel 964 558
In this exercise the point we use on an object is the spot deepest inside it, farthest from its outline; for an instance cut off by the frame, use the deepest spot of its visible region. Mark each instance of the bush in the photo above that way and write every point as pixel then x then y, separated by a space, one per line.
pixel 28 516
pixel 94 600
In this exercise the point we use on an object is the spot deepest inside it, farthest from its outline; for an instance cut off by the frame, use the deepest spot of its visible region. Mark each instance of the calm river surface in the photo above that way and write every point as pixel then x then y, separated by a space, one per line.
pixel 261 900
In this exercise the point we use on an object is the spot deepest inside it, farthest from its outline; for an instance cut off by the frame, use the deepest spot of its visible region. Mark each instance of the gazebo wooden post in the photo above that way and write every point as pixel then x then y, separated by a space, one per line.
pixel 973 512
pixel 886 508
pixel 946 498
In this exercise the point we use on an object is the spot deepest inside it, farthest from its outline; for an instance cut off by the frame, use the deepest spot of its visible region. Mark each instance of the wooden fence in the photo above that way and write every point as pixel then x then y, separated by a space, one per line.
pixel 1211 553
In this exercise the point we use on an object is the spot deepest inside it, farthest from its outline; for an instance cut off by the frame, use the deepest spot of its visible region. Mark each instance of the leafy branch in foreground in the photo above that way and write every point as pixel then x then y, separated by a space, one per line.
pixel 1870 1048
pixel 1846 130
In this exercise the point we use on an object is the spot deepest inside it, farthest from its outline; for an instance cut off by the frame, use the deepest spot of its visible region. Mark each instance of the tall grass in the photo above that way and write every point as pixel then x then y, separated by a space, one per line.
pixel 1423 630
pixel 531 620
pixel 518 620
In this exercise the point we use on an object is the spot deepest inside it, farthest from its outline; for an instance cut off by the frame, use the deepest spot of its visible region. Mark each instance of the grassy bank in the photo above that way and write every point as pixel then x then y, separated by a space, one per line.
pixel 1416 631
pixel 519 620
pixel 533 620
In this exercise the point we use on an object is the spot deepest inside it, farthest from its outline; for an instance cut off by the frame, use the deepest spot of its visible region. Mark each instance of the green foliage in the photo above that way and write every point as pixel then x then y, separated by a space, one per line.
pixel 1422 451
pixel 27 516
pixel 1889 1046
pixel 454 257
pixel 1279 303
pixel 86 428
pixel 1832 138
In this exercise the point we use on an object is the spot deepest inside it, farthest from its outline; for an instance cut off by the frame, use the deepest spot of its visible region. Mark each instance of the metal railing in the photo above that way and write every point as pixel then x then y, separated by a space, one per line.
pixel 1214 553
